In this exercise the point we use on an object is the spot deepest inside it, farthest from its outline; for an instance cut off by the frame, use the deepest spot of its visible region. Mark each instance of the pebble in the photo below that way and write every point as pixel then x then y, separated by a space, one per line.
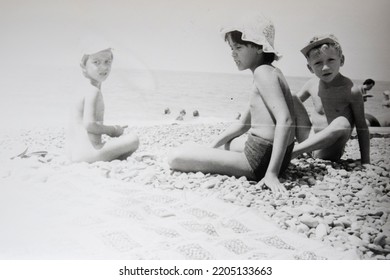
pixel 308 220
pixel 356 225
pixel 302 228
pixel 311 181
pixel 209 184
pixel 343 173
pixel 301 195
pixel 345 222
pixel 380 240
pixel 356 240
pixel 290 224
pixel 328 220
pixel 179 185
pixel 321 231
pixel 365 237
pixel 231 197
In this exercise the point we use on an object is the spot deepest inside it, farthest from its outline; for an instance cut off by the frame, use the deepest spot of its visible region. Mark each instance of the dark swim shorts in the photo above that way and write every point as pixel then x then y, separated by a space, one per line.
pixel 258 153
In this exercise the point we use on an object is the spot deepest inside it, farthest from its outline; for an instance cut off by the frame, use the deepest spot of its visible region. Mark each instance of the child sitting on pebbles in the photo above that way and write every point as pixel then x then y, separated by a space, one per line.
pixel 265 152
pixel 86 129
pixel 338 105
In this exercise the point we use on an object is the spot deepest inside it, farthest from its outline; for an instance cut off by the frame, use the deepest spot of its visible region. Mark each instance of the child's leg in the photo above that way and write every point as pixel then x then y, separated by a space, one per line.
pixel 330 141
pixel 303 123
pixel 237 144
pixel 118 148
pixel 192 157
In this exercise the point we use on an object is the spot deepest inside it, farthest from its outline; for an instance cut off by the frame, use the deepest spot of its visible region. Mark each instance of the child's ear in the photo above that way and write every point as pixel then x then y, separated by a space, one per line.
pixel 83 63
pixel 342 60
pixel 309 67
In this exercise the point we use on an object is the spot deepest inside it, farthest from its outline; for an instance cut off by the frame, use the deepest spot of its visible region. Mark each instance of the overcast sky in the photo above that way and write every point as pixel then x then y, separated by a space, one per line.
pixel 184 35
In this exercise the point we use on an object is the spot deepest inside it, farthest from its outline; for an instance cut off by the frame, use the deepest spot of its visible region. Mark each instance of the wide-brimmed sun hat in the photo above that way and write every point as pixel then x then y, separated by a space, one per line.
pixel 318 41
pixel 256 29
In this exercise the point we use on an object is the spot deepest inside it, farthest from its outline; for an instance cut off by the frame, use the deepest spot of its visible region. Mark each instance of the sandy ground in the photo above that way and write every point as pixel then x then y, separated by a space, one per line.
pixel 140 209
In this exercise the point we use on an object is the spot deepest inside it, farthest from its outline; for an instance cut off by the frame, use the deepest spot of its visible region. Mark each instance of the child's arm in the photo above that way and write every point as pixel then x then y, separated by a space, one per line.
pixel 357 105
pixel 235 130
pixel 304 93
pixel 91 123
pixel 267 81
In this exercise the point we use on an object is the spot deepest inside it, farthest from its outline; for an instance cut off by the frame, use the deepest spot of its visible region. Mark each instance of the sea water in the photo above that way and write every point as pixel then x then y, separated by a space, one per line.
pixel 138 96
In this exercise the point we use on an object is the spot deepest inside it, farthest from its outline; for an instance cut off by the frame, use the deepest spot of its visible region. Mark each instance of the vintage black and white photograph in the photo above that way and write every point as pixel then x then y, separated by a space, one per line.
pixel 195 130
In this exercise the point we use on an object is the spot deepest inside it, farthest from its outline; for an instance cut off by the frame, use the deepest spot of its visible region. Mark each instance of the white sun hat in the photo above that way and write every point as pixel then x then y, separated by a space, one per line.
pixel 256 29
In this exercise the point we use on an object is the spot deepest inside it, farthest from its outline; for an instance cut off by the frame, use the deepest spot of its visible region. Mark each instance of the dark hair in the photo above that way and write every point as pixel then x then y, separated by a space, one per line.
pixel 369 82
pixel 235 36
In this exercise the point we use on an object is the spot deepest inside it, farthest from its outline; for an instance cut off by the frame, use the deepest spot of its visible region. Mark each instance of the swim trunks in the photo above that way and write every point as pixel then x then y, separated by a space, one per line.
pixel 258 152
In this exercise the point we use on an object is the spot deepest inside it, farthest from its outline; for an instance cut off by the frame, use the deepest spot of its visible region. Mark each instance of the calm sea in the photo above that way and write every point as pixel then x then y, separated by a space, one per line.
pixel 214 95
pixel 135 96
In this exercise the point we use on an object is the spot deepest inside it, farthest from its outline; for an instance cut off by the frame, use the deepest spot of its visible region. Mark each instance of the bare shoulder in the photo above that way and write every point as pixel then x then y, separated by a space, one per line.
pixel 266 72
pixel 356 91
pixel 311 86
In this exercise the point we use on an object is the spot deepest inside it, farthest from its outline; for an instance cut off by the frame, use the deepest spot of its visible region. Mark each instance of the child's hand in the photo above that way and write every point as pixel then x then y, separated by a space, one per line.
pixel 118 130
pixel 273 183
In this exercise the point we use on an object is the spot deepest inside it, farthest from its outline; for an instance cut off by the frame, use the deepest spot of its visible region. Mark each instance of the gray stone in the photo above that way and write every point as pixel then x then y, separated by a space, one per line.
pixel 380 239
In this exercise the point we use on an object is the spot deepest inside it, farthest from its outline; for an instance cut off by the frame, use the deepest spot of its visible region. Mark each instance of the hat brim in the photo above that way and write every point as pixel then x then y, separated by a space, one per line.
pixel 314 44
pixel 267 47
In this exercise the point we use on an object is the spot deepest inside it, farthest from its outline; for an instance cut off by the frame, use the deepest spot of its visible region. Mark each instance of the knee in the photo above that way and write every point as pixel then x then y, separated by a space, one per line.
pixel 340 128
pixel 177 156
pixel 133 142
pixel 174 158
pixel 341 124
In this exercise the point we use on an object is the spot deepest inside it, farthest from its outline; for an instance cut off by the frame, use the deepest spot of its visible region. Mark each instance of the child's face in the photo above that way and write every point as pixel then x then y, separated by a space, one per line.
pixel 98 66
pixel 325 63
pixel 369 86
pixel 245 57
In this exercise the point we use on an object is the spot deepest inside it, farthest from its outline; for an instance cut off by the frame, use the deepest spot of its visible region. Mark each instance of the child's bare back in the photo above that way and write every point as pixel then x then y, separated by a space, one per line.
pixel 262 122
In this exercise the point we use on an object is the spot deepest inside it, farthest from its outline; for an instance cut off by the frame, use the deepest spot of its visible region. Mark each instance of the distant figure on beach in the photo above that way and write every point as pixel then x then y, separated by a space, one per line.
pixel 368 84
pixel 84 141
pixel 338 105
pixel 386 98
pixel 181 115
pixel 265 152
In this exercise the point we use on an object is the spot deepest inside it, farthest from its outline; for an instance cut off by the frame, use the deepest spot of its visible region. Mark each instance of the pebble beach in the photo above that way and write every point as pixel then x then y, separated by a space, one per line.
pixel 342 206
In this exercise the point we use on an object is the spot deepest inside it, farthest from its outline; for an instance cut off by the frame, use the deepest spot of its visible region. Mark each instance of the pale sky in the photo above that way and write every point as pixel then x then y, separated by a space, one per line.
pixel 184 35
